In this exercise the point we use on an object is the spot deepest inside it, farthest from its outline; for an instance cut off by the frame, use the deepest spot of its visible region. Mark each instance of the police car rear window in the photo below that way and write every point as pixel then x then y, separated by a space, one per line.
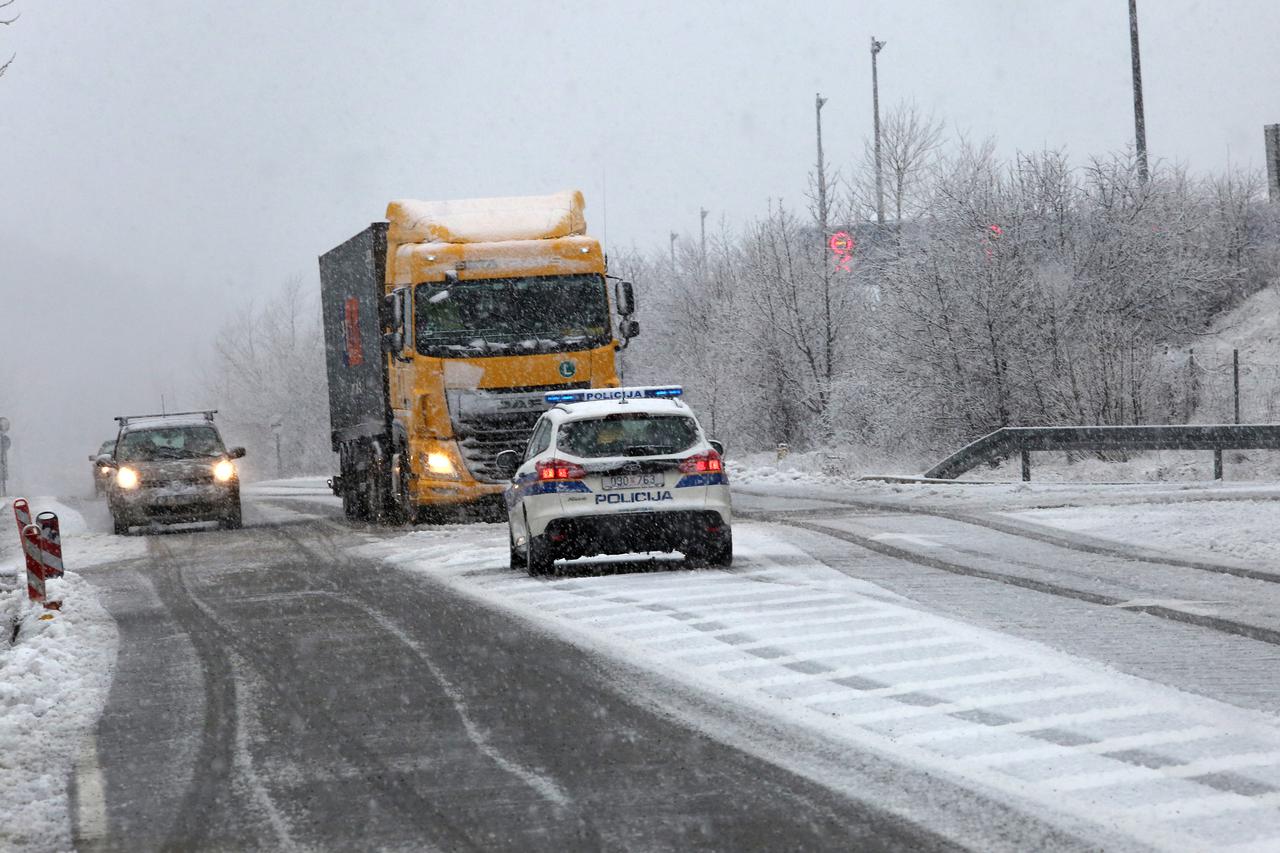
pixel 628 435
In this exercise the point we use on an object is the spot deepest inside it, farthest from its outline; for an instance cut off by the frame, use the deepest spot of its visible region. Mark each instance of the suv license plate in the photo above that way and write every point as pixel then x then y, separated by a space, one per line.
pixel 633 481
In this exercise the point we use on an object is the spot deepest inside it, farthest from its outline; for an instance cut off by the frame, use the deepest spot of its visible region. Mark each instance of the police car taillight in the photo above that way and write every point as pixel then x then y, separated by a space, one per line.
pixel 702 463
pixel 559 469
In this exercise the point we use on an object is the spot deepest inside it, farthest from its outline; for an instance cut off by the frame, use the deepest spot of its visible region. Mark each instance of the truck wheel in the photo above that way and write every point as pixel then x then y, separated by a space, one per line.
pixel 233 519
pixel 118 527
pixel 538 556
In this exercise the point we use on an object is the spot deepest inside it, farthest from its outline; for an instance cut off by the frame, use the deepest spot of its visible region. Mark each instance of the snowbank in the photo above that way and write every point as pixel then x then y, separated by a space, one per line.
pixel 53 686
pixel 1243 531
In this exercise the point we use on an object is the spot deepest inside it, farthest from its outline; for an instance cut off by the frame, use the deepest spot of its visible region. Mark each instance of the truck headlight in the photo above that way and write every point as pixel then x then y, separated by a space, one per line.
pixel 127 478
pixel 440 464
pixel 224 471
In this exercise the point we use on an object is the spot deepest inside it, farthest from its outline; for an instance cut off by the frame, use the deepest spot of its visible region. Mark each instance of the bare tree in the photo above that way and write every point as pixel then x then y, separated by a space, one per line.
pixel 6 22
pixel 910 141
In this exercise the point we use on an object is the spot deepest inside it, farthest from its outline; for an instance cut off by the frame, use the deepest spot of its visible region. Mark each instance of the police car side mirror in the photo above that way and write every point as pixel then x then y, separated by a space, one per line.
pixel 717 446
pixel 507 462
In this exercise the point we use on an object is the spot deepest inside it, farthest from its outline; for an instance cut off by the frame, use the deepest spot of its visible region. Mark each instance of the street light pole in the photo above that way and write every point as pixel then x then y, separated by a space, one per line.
pixel 822 169
pixel 674 235
pixel 1139 119
pixel 876 47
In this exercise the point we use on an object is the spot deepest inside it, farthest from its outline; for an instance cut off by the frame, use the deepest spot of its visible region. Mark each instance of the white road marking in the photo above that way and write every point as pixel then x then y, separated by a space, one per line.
pixel 543 784
pixel 91 795
pixel 243 760
pixel 908 538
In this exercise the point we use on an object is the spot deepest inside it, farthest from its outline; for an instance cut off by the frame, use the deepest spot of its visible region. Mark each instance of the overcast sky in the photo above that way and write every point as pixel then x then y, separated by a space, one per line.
pixel 162 161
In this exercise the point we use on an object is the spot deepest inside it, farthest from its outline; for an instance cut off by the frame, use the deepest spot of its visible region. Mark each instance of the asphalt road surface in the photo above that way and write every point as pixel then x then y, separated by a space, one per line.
pixel 274 692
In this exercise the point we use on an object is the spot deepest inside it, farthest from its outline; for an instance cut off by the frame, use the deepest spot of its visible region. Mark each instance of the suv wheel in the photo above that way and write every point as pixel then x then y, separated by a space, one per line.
pixel 233 520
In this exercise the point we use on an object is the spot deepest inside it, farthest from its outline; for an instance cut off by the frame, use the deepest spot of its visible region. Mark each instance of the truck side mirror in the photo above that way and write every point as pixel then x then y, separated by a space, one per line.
pixel 393 342
pixel 630 329
pixel 626 299
pixel 507 462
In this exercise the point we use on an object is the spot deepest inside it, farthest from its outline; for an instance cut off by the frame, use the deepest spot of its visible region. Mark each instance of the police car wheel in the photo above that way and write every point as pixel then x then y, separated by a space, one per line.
pixel 720 552
pixel 538 557
pixel 517 559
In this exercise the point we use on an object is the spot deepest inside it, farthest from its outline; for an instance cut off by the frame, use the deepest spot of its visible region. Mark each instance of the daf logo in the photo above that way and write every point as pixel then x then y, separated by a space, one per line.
pixel 568 368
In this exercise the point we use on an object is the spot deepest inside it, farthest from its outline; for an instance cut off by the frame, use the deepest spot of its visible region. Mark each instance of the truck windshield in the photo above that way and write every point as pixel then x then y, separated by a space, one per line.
pixel 508 316
pixel 147 445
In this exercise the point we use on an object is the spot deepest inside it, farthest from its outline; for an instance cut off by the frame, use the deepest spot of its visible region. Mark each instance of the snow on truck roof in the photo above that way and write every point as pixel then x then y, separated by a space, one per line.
pixel 487 220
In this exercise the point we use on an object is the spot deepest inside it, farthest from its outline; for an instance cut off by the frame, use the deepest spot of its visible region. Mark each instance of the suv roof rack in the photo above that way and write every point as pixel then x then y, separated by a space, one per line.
pixel 208 416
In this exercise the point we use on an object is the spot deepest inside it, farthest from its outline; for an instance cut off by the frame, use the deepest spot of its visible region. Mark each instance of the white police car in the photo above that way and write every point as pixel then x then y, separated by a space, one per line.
pixel 616 471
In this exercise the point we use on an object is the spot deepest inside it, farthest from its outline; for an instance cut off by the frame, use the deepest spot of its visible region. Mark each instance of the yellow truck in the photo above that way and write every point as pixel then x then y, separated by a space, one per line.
pixel 445 326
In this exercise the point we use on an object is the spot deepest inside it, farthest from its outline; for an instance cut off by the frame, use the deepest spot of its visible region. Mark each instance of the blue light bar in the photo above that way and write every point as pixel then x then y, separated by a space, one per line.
pixel 587 395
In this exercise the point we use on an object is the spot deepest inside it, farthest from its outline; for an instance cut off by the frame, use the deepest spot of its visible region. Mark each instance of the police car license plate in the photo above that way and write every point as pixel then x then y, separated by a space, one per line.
pixel 633 481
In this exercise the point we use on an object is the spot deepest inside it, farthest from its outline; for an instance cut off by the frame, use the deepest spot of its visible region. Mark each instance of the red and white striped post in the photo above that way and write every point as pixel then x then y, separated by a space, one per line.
pixel 50 544
pixel 33 548
pixel 35 568
pixel 30 547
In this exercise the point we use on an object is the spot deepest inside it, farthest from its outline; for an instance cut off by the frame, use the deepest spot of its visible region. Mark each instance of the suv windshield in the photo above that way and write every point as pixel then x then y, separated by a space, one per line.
pixel 497 316
pixel 640 434
pixel 185 442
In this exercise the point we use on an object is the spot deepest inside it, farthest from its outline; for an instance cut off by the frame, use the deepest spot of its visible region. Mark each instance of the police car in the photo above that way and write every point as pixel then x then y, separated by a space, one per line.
pixel 617 471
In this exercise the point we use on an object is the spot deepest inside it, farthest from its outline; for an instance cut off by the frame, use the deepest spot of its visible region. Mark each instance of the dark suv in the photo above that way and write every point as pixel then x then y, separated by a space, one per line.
pixel 102 473
pixel 172 468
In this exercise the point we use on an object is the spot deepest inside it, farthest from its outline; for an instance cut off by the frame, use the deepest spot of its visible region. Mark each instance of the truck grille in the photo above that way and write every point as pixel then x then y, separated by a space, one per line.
pixel 482 434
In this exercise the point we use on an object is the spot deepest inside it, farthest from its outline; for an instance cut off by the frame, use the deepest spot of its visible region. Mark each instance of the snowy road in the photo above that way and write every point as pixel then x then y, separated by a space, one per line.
pixel 869 675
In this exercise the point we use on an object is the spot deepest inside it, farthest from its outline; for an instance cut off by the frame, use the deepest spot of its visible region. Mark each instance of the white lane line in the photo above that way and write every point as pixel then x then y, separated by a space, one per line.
pixel 1094 715
pixel 891 690
pixel 908 711
pixel 778 628
pixel 1198 807
pixel 543 784
pixel 844 651
pixel 908 538
pixel 795 616
pixel 866 669
pixel 243 760
pixel 1115 744
pixel 91 794
pixel 1217 764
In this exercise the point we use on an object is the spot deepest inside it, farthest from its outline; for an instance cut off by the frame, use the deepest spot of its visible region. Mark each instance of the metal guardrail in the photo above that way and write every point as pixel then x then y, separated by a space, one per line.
pixel 1005 442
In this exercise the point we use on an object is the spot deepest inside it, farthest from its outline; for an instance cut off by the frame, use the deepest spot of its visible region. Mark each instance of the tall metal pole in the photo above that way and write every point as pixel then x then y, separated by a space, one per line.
pixel 1139 120
pixel 674 235
pixel 822 169
pixel 702 211
pixel 876 47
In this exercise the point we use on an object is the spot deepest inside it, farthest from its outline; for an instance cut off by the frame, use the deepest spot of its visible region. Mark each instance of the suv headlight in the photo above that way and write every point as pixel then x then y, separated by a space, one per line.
pixel 223 471
pixel 127 478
